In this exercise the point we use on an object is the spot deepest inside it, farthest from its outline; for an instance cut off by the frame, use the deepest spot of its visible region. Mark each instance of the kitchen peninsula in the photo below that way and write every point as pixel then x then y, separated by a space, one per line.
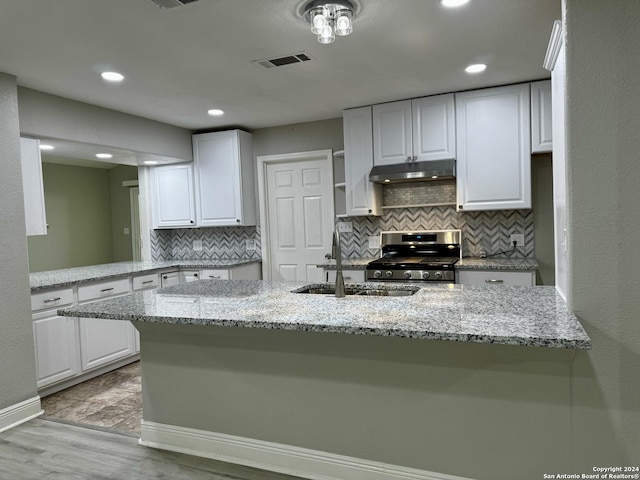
pixel 356 387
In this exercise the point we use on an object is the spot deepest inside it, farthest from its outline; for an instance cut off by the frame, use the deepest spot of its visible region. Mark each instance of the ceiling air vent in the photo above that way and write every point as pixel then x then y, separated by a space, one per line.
pixel 172 3
pixel 282 61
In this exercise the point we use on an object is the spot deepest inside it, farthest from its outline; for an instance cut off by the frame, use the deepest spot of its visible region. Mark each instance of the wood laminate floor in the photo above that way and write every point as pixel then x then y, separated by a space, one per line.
pixel 58 451
pixel 112 400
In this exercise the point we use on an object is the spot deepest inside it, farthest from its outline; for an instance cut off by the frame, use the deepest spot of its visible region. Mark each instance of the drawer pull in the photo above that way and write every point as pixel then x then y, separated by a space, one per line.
pixel 147 282
pixel 105 290
pixel 494 281
pixel 51 300
pixel 214 276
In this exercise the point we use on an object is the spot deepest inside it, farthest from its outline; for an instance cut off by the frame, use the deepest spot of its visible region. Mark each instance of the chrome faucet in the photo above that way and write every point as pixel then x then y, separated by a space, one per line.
pixel 336 252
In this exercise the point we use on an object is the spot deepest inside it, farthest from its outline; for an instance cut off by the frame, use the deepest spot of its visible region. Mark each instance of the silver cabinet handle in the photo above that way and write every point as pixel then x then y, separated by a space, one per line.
pixel 105 290
pixel 147 282
pixel 214 276
pixel 51 300
pixel 494 281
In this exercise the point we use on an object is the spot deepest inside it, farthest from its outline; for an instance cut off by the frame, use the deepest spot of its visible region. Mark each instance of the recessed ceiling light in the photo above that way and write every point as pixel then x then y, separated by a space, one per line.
pixel 104 155
pixel 434 176
pixel 150 162
pixel 215 112
pixel 46 147
pixel 476 68
pixel 453 3
pixel 112 76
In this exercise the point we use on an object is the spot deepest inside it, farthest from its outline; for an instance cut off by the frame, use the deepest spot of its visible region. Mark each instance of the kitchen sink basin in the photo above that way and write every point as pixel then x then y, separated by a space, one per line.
pixel 363 291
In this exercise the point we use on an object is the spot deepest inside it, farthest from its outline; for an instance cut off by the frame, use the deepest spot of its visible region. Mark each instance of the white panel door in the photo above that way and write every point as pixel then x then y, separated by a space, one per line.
pixel 173 199
pixel 56 348
pixel 104 341
pixel 392 137
pixel 300 213
pixel 434 128
pixel 218 191
pixel 541 117
pixel 493 144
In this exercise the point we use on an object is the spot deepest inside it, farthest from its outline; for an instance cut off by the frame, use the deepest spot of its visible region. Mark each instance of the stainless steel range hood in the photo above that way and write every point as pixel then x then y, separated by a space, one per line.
pixel 414 172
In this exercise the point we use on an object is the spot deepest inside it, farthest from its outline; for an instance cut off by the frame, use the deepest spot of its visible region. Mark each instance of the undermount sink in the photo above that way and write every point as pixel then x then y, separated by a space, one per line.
pixel 364 291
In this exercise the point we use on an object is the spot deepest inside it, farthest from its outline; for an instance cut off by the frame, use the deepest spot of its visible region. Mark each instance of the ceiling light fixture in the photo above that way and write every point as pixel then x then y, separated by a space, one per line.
pixel 150 162
pixel 104 155
pixel 46 147
pixel 215 112
pixel 112 76
pixel 329 18
pixel 476 68
pixel 453 3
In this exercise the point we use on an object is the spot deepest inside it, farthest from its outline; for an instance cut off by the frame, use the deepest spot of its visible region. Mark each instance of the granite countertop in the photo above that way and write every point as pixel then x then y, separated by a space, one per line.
pixel 92 273
pixel 468 263
pixel 511 315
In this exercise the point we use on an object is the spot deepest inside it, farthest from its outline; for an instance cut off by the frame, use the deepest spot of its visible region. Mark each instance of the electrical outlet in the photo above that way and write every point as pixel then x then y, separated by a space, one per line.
pixel 250 245
pixel 518 238
pixel 345 227
pixel 126 231
pixel 374 242
pixel 197 245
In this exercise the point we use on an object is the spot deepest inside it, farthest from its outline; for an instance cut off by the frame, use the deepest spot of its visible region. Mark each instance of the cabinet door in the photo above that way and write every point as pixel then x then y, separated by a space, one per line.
pixel 434 126
pixel 172 196
pixel 541 117
pixel 216 158
pixel 33 188
pixel 56 348
pixel 493 144
pixel 104 341
pixel 392 138
pixel 362 196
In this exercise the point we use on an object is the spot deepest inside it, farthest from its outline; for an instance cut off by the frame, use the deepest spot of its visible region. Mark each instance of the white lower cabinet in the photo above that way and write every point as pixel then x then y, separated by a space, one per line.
pixel 188 276
pixel 349 275
pixel 56 346
pixel 104 341
pixel 496 277
pixel 169 278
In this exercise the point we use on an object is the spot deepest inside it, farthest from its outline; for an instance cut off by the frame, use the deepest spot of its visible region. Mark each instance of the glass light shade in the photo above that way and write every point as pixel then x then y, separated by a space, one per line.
pixel 344 22
pixel 326 35
pixel 319 19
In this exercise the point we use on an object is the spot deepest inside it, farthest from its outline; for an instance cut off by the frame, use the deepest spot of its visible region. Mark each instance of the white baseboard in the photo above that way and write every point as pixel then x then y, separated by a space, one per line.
pixel 276 457
pixel 19 413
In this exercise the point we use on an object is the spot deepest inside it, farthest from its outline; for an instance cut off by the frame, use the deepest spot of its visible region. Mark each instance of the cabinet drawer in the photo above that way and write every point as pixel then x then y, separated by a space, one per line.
pixel 217 274
pixel 145 281
pixel 96 291
pixel 51 299
pixel 495 277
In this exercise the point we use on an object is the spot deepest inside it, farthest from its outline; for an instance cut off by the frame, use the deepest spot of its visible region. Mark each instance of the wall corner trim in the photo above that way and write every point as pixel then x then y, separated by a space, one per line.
pixel 22 412
pixel 276 457
pixel 553 49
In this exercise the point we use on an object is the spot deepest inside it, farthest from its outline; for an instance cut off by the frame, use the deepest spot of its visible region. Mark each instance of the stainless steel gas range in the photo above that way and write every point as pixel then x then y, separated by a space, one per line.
pixel 417 256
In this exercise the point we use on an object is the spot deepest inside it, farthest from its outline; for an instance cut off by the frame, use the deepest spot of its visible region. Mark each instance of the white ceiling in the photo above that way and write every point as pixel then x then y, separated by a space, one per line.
pixel 180 62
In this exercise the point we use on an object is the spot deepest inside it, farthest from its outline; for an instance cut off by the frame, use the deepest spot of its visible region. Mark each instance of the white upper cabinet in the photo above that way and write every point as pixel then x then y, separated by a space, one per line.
pixel 493 147
pixel 225 179
pixel 172 196
pixel 434 128
pixel 541 117
pixel 421 129
pixel 33 188
pixel 392 133
pixel 362 196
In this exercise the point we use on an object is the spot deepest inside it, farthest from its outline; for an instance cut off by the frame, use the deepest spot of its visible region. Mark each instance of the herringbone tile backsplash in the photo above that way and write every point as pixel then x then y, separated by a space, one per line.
pixel 217 243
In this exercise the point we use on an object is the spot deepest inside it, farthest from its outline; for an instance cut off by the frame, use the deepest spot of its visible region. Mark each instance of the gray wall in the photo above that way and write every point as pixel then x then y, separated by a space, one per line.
pixel 300 137
pixel 17 361
pixel 46 115
pixel 542 198
pixel 121 212
pixel 603 121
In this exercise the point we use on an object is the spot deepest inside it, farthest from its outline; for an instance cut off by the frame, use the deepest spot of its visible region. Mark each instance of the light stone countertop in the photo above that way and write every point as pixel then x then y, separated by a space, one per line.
pixel 511 315
pixel 468 263
pixel 92 273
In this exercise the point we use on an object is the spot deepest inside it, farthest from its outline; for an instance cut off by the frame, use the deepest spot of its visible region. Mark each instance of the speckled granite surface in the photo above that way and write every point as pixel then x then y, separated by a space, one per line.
pixel 517 264
pixel 92 273
pixel 528 316
pixel 471 263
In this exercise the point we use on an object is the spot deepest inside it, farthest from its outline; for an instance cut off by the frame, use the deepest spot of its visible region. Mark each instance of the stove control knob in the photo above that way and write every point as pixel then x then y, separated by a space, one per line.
pixel 388 274
pixel 425 275
pixel 377 274
pixel 438 275
pixel 407 274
